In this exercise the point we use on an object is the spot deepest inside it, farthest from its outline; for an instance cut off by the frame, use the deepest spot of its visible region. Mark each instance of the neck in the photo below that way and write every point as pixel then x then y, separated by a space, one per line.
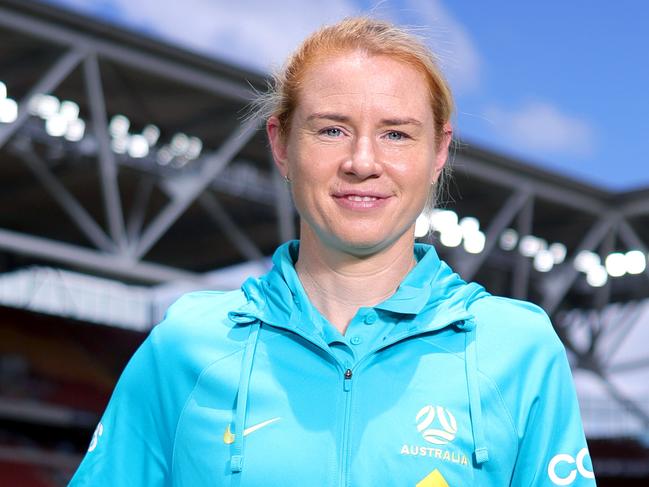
pixel 338 283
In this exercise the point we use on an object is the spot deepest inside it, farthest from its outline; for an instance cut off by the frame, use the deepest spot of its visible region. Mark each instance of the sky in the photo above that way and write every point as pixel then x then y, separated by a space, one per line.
pixel 559 85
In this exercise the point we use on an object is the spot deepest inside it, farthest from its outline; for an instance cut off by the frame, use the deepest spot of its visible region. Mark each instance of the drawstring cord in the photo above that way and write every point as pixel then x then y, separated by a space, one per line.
pixel 236 459
pixel 481 455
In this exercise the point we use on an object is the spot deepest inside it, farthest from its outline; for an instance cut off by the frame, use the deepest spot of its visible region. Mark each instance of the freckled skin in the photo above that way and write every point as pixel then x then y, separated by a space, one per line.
pixel 362 123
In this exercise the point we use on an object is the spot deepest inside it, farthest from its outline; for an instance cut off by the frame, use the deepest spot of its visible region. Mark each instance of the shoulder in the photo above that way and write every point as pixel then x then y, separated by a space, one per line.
pixel 197 326
pixel 504 321
pixel 520 355
pixel 518 349
pixel 199 305
pixel 516 346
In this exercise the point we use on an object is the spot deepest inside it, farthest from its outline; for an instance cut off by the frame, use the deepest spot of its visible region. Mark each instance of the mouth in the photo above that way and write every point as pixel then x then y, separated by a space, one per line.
pixel 354 197
pixel 358 194
pixel 362 201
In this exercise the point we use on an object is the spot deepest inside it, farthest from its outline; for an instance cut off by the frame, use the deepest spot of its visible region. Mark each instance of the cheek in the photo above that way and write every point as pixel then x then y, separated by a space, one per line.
pixel 317 162
pixel 309 178
pixel 416 173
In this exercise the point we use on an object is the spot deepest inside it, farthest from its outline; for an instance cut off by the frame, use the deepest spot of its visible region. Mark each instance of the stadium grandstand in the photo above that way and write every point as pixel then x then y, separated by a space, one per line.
pixel 130 173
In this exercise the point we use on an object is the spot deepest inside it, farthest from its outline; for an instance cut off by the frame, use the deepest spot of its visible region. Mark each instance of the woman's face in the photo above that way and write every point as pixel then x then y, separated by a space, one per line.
pixel 360 153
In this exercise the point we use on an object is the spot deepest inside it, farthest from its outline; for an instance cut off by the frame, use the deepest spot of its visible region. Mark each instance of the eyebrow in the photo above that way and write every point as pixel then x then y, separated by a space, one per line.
pixel 401 121
pixel 337 117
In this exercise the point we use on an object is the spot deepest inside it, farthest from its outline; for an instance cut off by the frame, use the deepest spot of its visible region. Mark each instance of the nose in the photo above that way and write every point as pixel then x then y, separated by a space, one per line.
pixel 362 161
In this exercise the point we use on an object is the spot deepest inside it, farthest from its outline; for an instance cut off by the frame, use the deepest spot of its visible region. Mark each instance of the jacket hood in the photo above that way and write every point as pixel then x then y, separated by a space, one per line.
pixel 430 297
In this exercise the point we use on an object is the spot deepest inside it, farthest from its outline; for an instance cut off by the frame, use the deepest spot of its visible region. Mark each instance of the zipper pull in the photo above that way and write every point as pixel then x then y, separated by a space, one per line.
pixel 347 384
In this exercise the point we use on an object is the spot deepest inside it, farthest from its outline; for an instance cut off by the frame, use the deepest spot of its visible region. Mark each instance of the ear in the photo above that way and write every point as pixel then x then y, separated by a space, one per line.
pixel 442 151
pixel 277 145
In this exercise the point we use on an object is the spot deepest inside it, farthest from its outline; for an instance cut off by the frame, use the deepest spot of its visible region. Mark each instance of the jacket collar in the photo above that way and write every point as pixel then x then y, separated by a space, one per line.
pixel 410 297
pixel 431 295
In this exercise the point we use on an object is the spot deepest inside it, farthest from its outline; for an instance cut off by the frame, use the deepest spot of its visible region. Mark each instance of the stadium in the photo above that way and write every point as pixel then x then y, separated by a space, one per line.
pixel 117 196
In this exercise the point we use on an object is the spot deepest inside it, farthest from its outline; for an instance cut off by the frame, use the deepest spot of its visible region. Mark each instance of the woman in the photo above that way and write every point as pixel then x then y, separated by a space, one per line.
pixel 360 358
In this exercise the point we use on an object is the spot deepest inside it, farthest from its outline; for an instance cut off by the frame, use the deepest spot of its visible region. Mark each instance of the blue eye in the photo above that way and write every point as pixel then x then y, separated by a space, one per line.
pixel 332 132
pixel 394 135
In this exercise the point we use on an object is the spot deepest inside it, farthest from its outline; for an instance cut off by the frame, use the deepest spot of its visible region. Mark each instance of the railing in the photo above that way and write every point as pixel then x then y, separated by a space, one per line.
pixel 607 418
pixel 77 296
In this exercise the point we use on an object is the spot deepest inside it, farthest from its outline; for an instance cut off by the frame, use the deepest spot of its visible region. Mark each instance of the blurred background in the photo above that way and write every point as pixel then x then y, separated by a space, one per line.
pixel 128 177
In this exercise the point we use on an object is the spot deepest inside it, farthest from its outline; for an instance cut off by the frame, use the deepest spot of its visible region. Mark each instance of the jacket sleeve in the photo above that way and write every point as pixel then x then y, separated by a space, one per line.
pixel 132 444
pixel 553 449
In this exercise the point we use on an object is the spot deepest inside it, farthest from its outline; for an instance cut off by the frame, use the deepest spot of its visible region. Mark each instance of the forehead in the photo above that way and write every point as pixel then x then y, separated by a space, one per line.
pixel 355 77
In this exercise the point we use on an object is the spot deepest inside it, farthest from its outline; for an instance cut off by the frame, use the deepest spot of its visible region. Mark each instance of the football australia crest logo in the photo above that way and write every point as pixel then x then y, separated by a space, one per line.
pixel 436 424
pixel 438 427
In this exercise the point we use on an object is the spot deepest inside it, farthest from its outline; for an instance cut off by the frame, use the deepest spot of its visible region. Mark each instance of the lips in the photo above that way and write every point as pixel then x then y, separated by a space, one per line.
pixel 355 197
pixel 361 200
pixel 361 195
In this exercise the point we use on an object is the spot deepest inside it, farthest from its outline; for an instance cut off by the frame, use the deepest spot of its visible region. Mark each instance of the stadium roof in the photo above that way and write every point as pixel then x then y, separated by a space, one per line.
pixel 165 184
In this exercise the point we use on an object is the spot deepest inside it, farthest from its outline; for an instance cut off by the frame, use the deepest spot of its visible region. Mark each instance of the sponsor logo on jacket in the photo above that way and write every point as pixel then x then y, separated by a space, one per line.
pixel 563 468
pixel 437 426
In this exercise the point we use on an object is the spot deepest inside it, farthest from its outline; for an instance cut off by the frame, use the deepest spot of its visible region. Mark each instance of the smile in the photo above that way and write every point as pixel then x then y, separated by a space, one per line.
pixel 354 197
pixel 361 202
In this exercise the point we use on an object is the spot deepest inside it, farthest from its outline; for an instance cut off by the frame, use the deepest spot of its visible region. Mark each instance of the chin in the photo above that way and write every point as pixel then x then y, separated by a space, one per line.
pixel 362 244
pixel 360 238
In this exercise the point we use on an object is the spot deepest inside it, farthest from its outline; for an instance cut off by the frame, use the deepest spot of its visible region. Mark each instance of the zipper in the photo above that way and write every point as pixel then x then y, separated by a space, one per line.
pixel 347 381
pixel 346 451
pixel 348 374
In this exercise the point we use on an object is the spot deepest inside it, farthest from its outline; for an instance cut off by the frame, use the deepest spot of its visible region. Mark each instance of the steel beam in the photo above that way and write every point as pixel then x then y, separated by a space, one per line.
pixel 77 213
pixel 57 73
pixel 618 331
pixel 629 404
pixel 603 294
pixel 138 210
pixel 260 191
pixel 20 243
pixel 636 208
pixel 107 165
pixel 631 238
pixel 559 284
pixel 211 166
pixel 522 264
pixel 137 59
pixel 509 210
pixel 489 172
pixel 233 233
pixel 635 364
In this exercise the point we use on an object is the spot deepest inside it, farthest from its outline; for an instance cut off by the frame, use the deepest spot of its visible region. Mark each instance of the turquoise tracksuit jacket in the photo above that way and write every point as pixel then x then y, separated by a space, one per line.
pixel 440 385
